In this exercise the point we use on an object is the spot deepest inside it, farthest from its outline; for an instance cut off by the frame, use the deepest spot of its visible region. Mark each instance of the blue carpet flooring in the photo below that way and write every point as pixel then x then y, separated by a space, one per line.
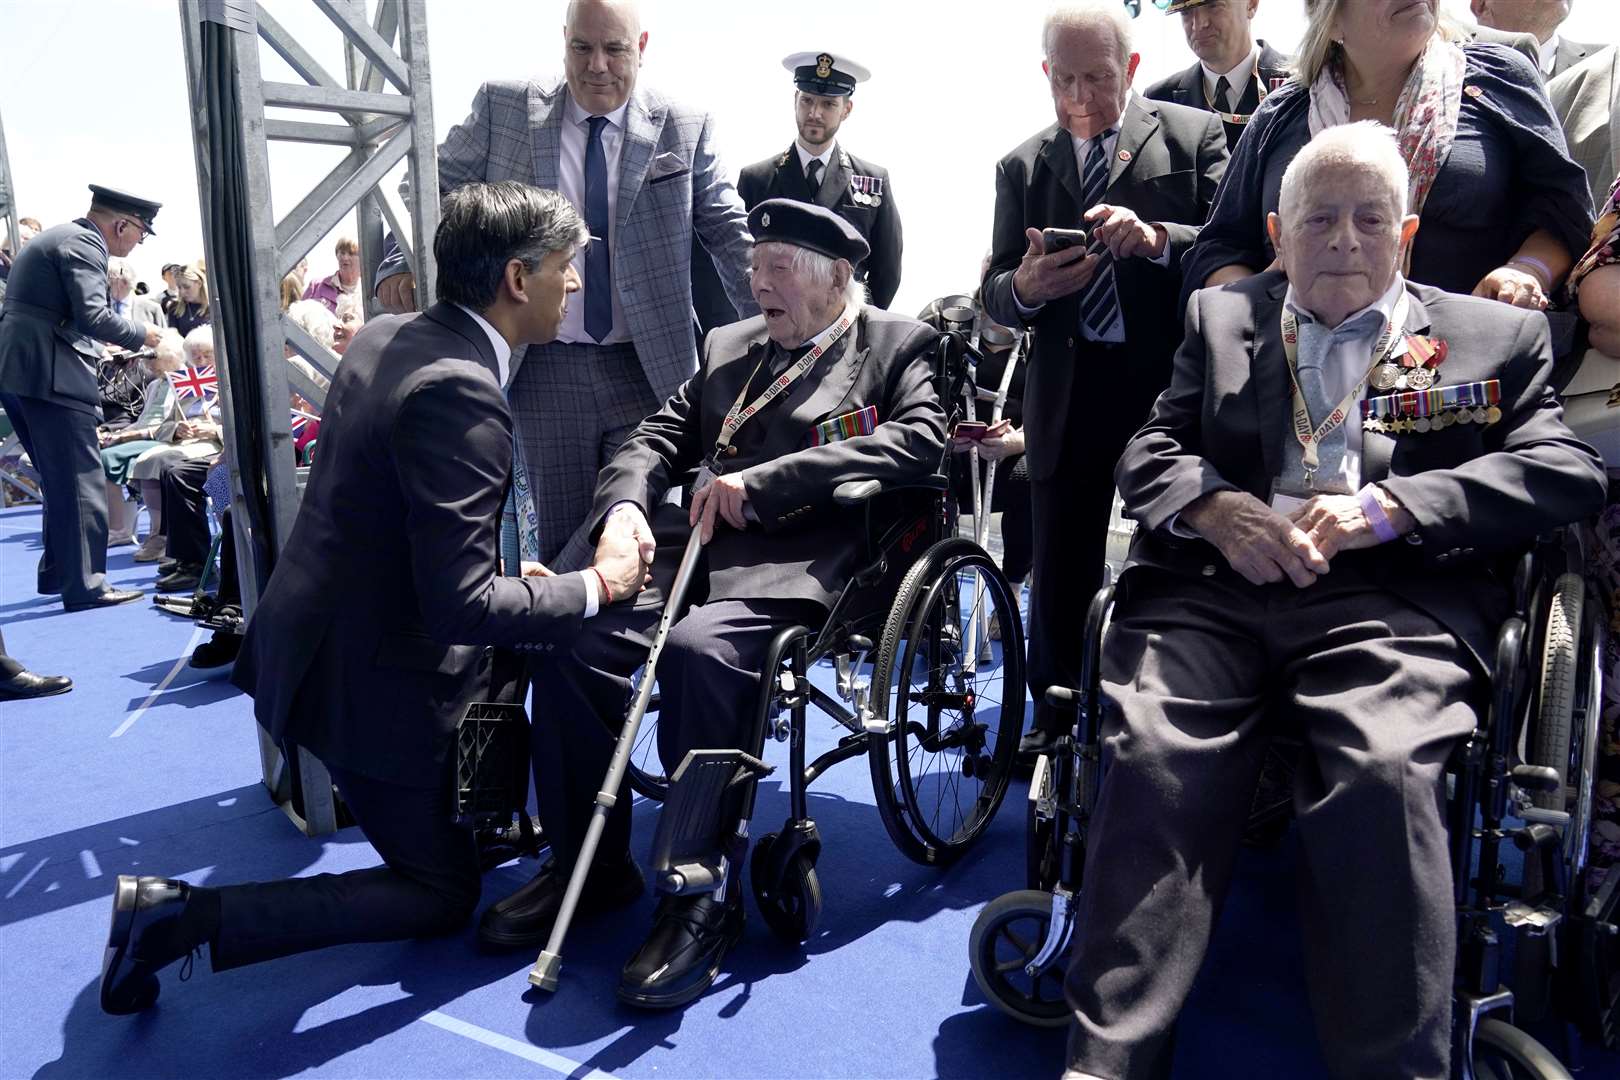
pixel 149 766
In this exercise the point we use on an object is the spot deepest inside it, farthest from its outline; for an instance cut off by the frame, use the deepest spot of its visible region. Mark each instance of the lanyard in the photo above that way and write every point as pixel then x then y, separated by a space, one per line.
pixel 741 414
pixel 1233 117
pixel 1311 438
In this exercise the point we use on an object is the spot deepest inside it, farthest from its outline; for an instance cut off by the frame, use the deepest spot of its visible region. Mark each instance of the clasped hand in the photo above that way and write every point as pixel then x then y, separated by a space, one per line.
pixel 624 553
pixel 1266 547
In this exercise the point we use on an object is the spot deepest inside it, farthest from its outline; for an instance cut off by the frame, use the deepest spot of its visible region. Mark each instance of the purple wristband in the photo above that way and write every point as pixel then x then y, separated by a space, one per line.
pixel 1376 517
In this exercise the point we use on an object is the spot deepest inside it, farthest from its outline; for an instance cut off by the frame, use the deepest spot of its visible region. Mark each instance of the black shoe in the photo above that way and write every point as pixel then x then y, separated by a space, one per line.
pixel 523 920
pixel 150 931
pixel 183 578
pixel 105 598
pixel 167 566
pixel 1037 742
pixel 25 684
pixel 681 957
pixel 217 651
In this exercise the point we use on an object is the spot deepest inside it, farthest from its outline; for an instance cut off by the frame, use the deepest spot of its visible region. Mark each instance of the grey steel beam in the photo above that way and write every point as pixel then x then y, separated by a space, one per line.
pixel 304 132
pixel 358 33
pixel 423 202
pixel 8 194
pixel 296 96
pixel 294 239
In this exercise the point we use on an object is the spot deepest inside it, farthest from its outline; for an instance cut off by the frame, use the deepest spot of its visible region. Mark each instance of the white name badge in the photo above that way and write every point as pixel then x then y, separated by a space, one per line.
pixel 1285 504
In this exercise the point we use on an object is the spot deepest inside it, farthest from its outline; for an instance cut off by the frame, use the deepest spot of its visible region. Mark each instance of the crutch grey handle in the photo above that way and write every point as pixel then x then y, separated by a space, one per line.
pixel 549 962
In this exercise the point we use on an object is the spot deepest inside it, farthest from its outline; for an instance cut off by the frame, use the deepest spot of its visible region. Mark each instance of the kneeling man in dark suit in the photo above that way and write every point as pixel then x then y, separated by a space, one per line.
pixel 818 390
pixel 375 630
pixel 1291 443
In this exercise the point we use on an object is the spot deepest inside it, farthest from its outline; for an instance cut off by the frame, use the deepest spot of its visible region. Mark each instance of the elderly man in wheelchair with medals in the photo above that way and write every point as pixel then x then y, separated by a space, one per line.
pixel 793 421
pixel 1327 495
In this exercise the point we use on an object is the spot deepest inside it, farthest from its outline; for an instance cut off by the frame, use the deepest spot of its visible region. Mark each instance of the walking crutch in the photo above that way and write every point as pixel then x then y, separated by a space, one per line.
pixel 546 965
pixel 982 501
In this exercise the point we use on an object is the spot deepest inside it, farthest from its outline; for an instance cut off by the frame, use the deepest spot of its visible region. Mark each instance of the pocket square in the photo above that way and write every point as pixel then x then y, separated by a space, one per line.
pixel 666 165
pixel 860 422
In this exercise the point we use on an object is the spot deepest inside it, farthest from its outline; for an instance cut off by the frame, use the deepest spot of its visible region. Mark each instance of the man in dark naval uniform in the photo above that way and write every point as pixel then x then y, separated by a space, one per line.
pixel 1234 72
pixel 817 169
pixel 56 311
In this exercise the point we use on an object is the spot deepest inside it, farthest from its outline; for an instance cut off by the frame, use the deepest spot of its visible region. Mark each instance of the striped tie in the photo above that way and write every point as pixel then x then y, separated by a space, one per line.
pixel 1099 304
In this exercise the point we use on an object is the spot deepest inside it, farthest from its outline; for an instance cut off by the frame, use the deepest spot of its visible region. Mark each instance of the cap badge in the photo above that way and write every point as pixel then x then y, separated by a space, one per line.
pixel 824 64
pixel 765 220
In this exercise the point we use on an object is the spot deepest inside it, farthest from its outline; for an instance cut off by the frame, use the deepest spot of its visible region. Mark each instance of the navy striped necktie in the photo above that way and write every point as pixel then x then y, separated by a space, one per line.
pixel 1099 303
pixel 598 265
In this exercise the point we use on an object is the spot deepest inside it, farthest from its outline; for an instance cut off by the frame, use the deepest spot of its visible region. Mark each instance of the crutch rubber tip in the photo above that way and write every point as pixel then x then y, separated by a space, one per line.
pixel 544 972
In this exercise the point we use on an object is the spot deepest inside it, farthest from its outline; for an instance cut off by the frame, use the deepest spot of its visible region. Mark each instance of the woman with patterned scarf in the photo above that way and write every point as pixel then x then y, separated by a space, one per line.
pixel 1505 210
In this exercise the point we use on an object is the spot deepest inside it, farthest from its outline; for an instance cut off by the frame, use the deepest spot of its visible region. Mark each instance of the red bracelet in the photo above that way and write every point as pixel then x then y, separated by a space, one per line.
pixel 607 593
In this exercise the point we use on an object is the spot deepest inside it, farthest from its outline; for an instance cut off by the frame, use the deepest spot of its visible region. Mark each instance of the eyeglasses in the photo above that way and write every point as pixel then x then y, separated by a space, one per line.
pixel 145 232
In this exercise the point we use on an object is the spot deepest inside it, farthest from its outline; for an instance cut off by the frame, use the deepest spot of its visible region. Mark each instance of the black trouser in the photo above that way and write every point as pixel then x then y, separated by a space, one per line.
pixel 429 885
pixel 708 683
pixel 1011 499
pixel 230 586
pixel 185 510
pixel 63 446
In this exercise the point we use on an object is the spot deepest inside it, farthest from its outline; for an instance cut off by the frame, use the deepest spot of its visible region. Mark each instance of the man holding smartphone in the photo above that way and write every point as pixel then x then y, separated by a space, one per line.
pixel 1138 177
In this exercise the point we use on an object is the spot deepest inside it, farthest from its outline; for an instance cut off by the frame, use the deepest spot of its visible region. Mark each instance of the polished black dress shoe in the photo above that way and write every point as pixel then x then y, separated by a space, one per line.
pixel 681 957
pixel 1036 743
pixel 182 578
pixel 105 598
pixel 155 921
pixel 524 919
pixel 25 684
pixel 217 651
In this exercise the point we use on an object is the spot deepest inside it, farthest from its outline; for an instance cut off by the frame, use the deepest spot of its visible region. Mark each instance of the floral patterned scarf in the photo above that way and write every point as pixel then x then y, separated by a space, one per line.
pixel 1425 114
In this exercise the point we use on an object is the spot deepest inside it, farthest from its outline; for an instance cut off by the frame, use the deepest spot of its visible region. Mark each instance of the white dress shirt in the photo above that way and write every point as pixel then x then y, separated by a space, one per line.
pixel 575 134
pixel 1237 78
pixel 806 157
pixel 503 363
pixel 1547 54
pixel 1346 361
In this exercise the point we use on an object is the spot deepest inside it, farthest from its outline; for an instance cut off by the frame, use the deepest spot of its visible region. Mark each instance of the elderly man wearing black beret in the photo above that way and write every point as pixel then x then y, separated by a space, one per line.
pixel 818 390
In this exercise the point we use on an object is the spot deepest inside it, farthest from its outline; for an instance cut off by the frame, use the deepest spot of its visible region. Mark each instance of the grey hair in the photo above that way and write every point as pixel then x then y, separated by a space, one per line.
pixel 1364 145
pixel 315 319
pixel 817 271
pixel 1087 13
pixel 200 338
pixel 1318 48
pixel 482 227
pixel 351 301
pixel 171 344
pixel 120 269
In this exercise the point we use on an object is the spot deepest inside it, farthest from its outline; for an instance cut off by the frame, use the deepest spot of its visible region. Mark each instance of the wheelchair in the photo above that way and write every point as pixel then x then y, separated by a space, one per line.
pixel 1524 776
pixel 921 691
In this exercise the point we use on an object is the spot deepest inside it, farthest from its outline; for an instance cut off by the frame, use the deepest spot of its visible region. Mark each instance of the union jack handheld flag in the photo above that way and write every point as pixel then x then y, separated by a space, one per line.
pixel 195 382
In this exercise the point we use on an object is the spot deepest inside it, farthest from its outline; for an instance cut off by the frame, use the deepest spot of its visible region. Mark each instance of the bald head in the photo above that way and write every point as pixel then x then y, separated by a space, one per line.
pixel 602 46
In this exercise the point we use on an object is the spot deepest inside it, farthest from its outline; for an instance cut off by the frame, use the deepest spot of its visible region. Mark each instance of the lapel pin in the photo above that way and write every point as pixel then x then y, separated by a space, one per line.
pixel 1124 155
pixel 1473 91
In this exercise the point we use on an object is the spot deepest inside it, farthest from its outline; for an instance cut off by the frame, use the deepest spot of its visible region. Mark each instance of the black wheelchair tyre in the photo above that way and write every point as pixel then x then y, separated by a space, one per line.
pixel 1006 936
pixel 1503 1052
pixel 975 756
pixel 793 909
pixel 1560 661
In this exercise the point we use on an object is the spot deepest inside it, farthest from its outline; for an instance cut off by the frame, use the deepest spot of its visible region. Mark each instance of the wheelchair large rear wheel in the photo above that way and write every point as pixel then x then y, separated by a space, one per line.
pixel 1560 659
pixel 1503 1052
pixel 1006 936
pixel 941 771
pixel 645 770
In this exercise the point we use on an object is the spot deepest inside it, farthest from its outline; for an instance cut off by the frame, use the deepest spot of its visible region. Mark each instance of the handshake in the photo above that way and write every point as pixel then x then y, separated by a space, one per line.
pixel 624 553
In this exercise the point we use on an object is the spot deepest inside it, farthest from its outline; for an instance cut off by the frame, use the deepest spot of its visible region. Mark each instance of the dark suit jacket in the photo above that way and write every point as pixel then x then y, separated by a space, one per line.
pixel 805 546
pixel 364 646
pixel 1187 88
pixel 781 177
pixel 1474 489
pixel 56 310
pixel 1176 157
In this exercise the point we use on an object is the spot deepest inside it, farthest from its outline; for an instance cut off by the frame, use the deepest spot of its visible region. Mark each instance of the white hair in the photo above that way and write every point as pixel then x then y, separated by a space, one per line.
pixel 200 338
pixel 817 270
pixel 120 270
pixel 315 319
pixel 350 302
pixel 1087 14
pixel 1364 145
pixel 171 345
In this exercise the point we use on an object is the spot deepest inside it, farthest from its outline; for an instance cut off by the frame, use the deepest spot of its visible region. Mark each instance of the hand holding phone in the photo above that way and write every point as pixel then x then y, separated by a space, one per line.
pixel 1063 239
pixel 970 429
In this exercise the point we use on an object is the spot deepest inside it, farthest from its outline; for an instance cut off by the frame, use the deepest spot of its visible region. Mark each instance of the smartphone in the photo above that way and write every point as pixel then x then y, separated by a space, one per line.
pixel 969 429
pixel 1063 239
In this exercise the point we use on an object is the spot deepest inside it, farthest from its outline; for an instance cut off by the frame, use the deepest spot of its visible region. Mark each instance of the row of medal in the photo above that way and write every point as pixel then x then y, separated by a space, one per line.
pixel 1417 368
pixel 1434 410
pixel 866 190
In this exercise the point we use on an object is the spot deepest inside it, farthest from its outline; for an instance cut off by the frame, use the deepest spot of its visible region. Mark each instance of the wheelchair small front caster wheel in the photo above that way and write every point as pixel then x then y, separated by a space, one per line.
pixel 1006 936
pixel 792 906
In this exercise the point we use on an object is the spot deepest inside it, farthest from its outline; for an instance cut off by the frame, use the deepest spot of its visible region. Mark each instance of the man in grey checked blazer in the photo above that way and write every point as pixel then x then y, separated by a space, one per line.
pixel 576 399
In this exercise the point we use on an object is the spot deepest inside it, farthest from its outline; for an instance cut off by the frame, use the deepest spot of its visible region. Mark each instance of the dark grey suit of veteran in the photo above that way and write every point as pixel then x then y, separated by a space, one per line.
pixel 373 633
pixel 1378 666
pixel 788 568
pixel 56 311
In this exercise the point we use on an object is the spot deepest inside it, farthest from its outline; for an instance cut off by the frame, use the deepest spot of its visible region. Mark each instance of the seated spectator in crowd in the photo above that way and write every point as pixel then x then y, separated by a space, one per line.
pixel 351 316
pixel 27 229
pixel 1228 613
pixel 197 434
pixel 1503 217
pixel 121 448
pixel 190 307
pixel 344 280
pixel 319 324
pixel 121 376
pixel 121 295
pixel 1594 285
pixel 292 290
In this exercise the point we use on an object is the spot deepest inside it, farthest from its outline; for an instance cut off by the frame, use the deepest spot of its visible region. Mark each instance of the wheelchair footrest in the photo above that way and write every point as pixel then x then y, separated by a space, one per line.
pixel 692 851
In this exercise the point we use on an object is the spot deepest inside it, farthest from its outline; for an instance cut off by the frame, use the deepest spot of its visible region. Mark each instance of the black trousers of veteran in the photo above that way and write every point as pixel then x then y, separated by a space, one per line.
pixel 708 684
pixel 1380 692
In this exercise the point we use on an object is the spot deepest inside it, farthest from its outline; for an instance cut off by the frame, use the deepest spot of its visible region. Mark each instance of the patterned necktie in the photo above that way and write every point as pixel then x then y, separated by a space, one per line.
pixel 1099 303
pixel 520 525
pixel 1223 95
pixel 1314 342
pixel 812 173
pixel 598 267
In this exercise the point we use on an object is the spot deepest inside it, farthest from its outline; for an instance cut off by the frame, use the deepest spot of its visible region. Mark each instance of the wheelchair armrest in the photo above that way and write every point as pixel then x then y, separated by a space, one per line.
pixel 856 492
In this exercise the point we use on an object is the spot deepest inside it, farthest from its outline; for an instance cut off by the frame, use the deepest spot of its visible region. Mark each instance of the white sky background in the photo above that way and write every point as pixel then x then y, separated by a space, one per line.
pixel 93 91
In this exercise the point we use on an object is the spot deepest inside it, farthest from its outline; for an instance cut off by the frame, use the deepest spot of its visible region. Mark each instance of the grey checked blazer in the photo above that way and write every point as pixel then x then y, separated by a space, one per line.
pixel 670 186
